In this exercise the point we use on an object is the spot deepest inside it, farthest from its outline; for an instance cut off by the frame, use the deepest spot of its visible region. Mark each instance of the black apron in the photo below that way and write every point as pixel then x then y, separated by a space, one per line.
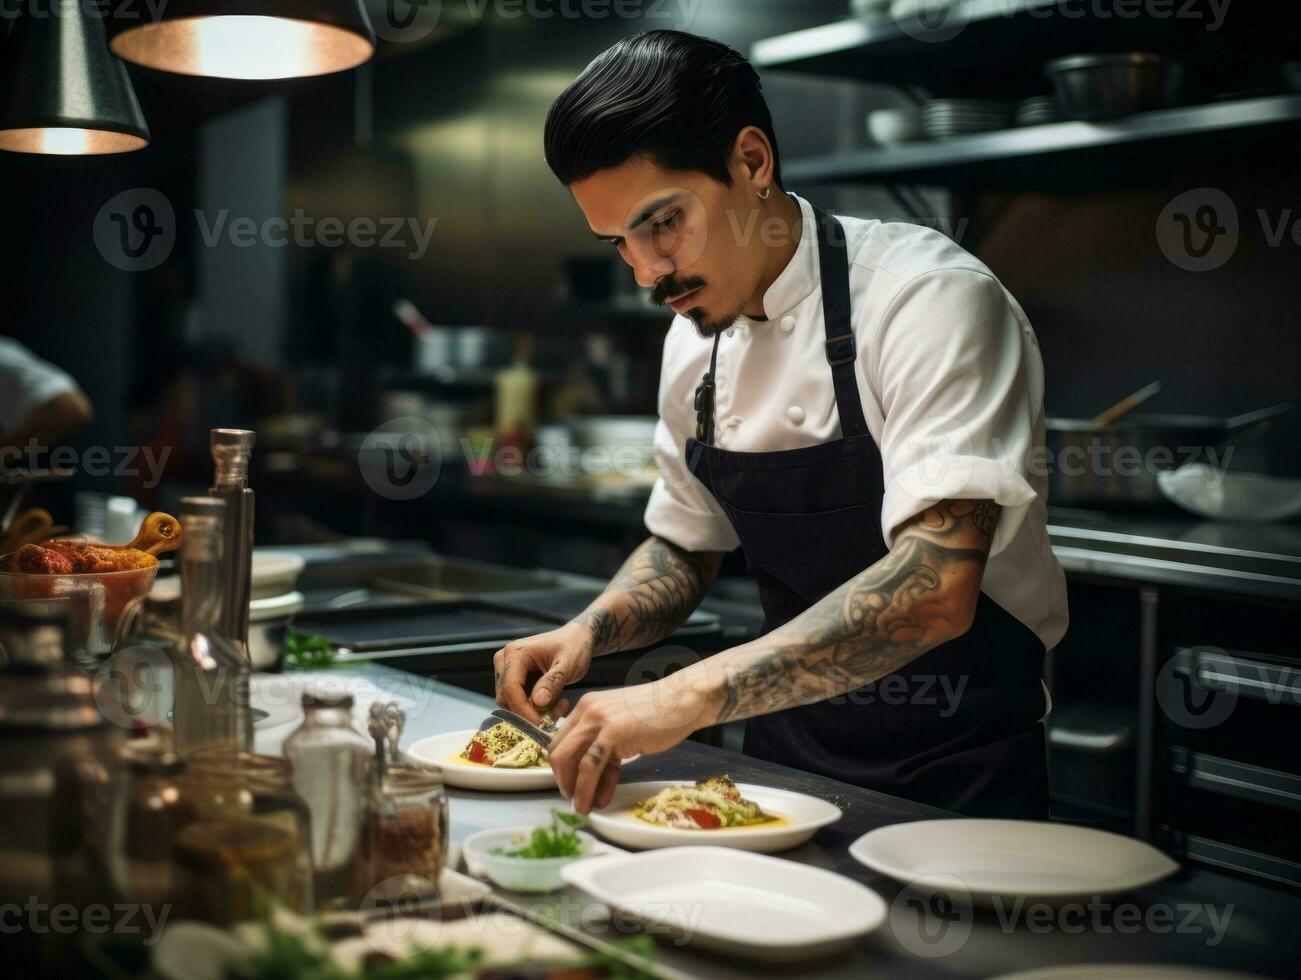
pixel 959 727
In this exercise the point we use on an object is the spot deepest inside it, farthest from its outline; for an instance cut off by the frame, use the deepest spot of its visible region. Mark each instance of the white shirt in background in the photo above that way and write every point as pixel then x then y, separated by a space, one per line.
pixel 26 383
pixel 951 380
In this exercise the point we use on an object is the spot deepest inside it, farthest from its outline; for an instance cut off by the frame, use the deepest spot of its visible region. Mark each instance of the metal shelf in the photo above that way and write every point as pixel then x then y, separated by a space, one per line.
pixel 999 47
pixel 1053 153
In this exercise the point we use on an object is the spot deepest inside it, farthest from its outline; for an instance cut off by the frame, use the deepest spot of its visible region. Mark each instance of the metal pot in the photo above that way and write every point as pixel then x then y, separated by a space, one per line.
pixel 1090 464
pixel 1105 86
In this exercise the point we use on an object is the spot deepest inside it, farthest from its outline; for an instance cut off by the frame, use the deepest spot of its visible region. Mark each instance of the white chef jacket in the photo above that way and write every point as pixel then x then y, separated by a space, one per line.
pixel 951 381
pixel 26 383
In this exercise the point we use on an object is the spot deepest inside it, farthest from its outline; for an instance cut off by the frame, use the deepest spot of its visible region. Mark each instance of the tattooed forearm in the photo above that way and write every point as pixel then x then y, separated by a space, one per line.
pixel 918 596
pixel 650 596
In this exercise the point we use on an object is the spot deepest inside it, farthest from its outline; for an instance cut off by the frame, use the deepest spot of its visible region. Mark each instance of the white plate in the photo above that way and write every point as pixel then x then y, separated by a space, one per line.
pixel 1013 858
pixel 802 815
pixel 442 750
pixel 734 903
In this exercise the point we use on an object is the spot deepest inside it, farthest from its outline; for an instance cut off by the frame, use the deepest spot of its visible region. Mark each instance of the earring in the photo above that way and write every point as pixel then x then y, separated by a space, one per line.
pixel 763 194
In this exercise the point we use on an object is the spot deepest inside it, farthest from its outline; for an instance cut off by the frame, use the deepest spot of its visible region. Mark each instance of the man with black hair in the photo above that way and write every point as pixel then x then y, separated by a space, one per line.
pixel 858 405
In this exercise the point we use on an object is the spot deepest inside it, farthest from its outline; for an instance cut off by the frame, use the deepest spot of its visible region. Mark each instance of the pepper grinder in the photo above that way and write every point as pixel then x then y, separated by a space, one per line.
pixel 231 451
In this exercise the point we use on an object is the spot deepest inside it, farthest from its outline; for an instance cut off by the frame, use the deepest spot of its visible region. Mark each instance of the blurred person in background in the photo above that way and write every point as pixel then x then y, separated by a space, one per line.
pixel 40 404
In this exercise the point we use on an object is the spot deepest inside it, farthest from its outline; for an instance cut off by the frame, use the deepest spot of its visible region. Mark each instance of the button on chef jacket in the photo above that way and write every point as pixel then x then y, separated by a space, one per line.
pixel 951 382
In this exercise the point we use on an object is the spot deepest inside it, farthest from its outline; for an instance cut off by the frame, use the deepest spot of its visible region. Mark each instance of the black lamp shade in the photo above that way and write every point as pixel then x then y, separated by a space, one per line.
pixel 61 89
pixel 251 39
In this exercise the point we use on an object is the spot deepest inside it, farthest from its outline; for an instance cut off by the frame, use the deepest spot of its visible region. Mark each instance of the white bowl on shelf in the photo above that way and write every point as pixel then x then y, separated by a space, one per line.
pixel 889 127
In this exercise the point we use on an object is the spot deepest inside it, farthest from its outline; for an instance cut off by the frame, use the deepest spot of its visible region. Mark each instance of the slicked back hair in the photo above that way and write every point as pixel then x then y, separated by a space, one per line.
pixel 675 98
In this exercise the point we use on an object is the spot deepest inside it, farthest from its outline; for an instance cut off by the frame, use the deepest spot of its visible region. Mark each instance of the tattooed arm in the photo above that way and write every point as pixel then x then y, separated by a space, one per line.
pixel 921 594
pixel 650 596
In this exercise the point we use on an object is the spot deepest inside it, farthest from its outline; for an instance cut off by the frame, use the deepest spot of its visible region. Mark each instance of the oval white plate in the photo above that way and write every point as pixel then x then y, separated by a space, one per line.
pixel 802 814
pixel 443 749
pixel 1012 858
pixel 737 904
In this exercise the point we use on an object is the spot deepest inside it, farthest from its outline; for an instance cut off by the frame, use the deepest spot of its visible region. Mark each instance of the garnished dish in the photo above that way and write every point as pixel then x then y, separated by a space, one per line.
pixel 159 532
pixel 711 804
pixel 504 747
pixel 714 812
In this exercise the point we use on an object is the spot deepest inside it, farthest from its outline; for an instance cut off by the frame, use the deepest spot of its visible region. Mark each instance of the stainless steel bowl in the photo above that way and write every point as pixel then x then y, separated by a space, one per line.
pixel 1105 86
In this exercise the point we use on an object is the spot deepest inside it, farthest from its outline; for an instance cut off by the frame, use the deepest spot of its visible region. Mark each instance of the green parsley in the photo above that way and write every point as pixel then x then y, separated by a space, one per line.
pixel 559 840
pixel 307 650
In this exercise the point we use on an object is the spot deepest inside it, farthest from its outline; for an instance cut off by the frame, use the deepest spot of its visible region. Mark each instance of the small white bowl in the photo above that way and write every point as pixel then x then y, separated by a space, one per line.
pixel 519 874
pixel 890 126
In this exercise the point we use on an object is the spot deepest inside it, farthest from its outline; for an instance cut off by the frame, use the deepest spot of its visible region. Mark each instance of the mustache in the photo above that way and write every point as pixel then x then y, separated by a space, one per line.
pixel 669 287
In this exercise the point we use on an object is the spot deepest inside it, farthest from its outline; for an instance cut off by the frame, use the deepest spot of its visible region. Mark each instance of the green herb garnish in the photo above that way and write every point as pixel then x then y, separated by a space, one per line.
pixel 308 650
pixel 557 841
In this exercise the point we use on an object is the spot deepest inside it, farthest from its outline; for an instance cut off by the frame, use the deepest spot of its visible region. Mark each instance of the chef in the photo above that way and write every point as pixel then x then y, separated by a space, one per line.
pixel 855 404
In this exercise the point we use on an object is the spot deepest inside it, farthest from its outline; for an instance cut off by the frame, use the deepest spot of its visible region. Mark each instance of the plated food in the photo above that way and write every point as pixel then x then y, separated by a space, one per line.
pixel 449 752
pixel 503 746
pixel 750 817
pixel 711 804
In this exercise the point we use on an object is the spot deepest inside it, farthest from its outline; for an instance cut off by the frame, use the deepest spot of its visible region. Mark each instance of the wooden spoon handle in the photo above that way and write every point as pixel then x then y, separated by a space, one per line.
pixel 160 532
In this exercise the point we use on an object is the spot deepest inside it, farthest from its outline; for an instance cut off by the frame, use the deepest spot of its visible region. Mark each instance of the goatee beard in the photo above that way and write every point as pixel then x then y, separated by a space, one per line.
pixel 708 328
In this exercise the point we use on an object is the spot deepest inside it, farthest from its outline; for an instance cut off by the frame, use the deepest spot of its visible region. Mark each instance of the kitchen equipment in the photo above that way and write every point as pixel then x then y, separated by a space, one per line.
pixel 1210 492
pixel 1127 404
pixel 405 834
pixel 618 444
pixel 543 738
pixel 14 485
pixel 1038 110
pixel 801 817
pixel 122 518
pixel 231 450
pixel 331 769
pixel 372 630
pixel 444 751
pixel 520 874
pixel 269 621
pixel 274 573
pixel 737 904
pixel 1093 465
pixel 149 809
pixel 1106 86
pixel 892 126
pixel 249 846
pixel 983 860
pixel 947 118
pixel 32 526
pixel 59 751
pixel 209 671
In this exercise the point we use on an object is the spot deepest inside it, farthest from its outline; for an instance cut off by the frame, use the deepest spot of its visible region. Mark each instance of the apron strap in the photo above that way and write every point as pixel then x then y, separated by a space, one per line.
pixel 705 399
pixel 833 262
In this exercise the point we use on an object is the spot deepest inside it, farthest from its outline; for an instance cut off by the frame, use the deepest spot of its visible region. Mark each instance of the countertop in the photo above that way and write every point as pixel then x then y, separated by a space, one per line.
pixel 1175 921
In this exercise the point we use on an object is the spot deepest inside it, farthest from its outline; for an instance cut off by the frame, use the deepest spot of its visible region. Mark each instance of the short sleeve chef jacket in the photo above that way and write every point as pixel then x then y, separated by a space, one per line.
pixel 951 381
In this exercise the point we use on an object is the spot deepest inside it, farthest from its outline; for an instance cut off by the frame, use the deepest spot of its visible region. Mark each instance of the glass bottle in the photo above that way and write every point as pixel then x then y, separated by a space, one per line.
pixel 405 836
pixel 331 763
pixel 148 812
pixel 210 704
pixel 229 791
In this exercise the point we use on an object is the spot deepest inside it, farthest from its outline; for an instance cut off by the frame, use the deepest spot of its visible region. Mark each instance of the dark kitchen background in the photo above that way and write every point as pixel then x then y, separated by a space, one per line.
pixel 302 342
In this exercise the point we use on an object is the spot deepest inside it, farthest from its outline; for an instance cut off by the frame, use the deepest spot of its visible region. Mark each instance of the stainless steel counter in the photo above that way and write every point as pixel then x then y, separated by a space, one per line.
pixel 1199 917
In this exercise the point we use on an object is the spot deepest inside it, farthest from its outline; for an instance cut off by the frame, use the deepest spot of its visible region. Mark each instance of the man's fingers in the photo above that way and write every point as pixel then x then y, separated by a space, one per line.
pixel 550 685
pixel 608 783
pixel 561 709
pixel 510 688
pixel 591 767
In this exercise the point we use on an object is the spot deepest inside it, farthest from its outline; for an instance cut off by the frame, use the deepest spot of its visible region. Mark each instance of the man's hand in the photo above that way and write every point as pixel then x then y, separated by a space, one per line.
pixel 608 726
pixel 531 673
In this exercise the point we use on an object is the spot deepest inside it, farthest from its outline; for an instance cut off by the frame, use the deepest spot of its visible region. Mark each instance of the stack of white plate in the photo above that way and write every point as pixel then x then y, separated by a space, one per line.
pixel 1038 110
pixel 946 118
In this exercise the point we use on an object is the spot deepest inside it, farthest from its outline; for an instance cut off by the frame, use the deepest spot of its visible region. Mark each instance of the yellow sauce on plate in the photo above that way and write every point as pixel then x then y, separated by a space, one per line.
pixel 772 822
pixel 460 760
